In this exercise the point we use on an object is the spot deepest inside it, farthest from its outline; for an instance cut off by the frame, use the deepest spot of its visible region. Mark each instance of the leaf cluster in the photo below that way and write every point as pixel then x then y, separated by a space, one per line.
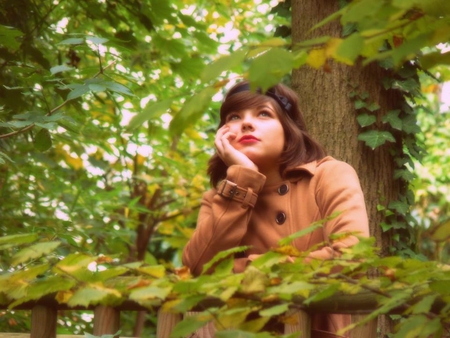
pixel 242 303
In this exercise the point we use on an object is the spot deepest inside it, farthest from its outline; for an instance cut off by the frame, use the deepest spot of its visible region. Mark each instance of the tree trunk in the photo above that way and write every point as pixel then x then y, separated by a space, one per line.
pixel 331 115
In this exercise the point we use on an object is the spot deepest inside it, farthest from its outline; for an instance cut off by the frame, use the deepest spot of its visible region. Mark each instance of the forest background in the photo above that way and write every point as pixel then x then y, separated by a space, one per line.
pixel 108 111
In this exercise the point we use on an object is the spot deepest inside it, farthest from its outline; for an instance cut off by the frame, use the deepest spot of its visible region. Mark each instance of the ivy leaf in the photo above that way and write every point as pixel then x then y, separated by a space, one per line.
pixel 359 104
pixel 33 252
pixel 375 138
pixel 410 125
pixel 399 206
pixel 404 174
pixel 43 140
pixel 393 119
pixel 365 120
pixel 189 325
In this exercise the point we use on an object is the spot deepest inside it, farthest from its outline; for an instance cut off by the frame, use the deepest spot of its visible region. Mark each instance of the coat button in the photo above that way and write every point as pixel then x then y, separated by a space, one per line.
pixel 280 218
pixel 283 189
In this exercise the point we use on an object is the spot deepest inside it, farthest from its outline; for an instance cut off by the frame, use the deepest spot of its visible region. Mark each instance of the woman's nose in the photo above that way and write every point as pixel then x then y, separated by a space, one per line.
pixel 246 126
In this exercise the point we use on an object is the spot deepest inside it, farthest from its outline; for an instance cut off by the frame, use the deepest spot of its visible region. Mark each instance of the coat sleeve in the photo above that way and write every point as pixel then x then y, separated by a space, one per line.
pixel 337 189
pixel 222 222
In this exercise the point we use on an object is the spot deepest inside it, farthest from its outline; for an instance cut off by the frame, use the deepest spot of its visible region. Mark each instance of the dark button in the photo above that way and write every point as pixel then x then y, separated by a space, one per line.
pixel 280 218
pixel 283 189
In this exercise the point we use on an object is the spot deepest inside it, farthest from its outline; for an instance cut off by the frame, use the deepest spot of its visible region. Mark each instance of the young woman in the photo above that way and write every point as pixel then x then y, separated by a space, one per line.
pixel 271 179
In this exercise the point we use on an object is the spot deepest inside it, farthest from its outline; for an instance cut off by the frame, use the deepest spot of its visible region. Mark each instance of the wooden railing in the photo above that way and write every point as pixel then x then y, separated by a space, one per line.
pixel 107 319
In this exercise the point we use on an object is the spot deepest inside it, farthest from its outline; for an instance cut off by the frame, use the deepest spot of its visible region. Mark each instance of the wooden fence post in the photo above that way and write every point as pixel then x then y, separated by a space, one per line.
pixel 368 330
pixel 43 322
pixel 165 323
pixel 298 321
pixel 106 320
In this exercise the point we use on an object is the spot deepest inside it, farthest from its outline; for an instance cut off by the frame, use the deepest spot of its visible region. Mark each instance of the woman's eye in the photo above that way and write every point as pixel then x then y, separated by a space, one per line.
pixel 232 117
pixel 265 113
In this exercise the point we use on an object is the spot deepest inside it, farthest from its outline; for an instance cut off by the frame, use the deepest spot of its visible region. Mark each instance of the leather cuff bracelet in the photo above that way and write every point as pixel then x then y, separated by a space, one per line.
pixel 232 191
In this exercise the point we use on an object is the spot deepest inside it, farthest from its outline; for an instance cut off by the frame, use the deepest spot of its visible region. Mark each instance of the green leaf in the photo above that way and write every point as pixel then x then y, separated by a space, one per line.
pixel 96 40
pixel 72 41
pixel 254 281
pixel 365 120
pixel 59 69
pixel 117 88
pixel 223 64
pixel 275 310
pixel 374 138
pixel 16 240
pixel 424 305
pixel 192 110
pixel 431 60
pixel 9 37
pixel 441 233
pixel 410 124
pixel 151 111
pixel 221 255
pixel 392 118
pixel 43 140
pixel 359 104
pixel 318 224
pixel 2 161
pixel 189 325
pixel 399 206
pixel 281 63
pixel 92 295
pixel 78 91
pixel 323 294
pixel 33 252
pixel 149 292
pixel 350 49
pixel 412 326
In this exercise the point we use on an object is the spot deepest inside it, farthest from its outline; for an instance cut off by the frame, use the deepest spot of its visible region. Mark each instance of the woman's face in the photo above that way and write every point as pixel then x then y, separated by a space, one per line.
pixel 259 134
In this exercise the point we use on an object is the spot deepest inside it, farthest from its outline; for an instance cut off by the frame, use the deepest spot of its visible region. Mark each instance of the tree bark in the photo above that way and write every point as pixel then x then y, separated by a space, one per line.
pixel 331 115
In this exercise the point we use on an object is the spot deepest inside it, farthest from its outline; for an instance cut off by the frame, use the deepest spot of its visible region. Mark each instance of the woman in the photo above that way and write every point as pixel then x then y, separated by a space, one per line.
pixel 274 180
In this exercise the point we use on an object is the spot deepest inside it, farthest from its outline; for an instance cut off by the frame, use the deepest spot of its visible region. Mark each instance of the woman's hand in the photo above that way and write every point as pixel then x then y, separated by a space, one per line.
pixel 227 152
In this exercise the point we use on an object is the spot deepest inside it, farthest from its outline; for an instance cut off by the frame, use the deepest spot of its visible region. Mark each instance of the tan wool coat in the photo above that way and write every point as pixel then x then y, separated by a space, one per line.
pixel 310 193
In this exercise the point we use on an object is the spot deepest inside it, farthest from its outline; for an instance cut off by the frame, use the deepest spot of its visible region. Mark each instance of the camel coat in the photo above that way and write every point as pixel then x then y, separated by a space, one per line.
pixel 309 193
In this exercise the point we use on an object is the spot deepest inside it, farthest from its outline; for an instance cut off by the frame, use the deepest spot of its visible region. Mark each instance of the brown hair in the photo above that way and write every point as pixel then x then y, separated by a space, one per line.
pixel 300 147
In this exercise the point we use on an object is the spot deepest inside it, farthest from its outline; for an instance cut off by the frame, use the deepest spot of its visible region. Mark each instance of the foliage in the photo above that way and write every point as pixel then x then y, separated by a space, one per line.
pixel 105 111
pixel 242 302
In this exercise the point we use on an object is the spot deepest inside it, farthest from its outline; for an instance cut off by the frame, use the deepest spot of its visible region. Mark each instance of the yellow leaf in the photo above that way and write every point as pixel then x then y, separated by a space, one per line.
pixel 316 58
pixel 331 47
pixel 181 192
pixel 157 271
pixel 63 296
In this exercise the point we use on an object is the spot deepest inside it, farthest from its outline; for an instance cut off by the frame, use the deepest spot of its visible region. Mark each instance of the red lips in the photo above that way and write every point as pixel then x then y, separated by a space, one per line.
pixel 248 138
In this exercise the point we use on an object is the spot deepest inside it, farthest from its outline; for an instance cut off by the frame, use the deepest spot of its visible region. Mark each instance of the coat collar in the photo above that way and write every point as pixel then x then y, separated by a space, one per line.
pixel 309 169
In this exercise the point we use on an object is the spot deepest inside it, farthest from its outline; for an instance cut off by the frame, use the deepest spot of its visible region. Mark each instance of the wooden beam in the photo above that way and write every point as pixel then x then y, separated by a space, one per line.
pixel 43 322
pixel 106 320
